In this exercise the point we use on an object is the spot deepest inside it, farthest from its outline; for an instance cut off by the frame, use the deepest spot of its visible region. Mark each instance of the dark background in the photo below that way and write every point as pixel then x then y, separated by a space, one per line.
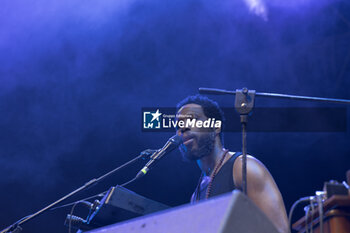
pixel 75 75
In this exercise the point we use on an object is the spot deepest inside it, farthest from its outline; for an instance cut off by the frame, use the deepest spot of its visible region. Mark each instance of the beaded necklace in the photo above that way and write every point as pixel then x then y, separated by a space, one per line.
pixel 212 177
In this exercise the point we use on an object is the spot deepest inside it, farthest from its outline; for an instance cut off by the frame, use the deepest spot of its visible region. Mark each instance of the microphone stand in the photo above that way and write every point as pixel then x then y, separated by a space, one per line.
pixel 244 104
pixel 15 228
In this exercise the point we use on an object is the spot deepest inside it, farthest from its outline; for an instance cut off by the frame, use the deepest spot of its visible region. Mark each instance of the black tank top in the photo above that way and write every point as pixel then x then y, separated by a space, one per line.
pixel 222 183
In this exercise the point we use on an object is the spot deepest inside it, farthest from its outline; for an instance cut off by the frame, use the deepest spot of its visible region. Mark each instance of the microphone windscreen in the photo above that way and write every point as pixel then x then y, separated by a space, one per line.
pixel 176 140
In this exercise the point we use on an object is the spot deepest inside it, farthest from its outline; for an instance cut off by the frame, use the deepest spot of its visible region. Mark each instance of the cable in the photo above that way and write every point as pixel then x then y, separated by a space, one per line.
pixel 312 205
pixel 306 220
pixel 320 209
pixel 303 199
pixel 130 181
pixel 87 198
pixel 71 214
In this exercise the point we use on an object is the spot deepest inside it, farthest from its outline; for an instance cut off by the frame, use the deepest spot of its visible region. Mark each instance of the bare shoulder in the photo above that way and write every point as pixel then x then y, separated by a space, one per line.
pixel 256 170
pixel 262 190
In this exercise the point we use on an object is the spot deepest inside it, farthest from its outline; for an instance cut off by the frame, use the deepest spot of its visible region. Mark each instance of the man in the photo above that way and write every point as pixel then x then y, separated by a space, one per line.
pixel 221 169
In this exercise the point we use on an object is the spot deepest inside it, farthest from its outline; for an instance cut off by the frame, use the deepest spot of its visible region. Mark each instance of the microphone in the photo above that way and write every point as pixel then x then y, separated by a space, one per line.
pixel 169 146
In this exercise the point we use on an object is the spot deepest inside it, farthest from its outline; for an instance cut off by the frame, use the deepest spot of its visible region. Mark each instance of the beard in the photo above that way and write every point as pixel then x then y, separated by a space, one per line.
pixel 205 146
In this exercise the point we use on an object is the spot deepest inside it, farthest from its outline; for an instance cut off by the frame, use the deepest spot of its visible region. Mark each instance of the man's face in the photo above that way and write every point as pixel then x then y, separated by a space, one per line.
pixel 197 142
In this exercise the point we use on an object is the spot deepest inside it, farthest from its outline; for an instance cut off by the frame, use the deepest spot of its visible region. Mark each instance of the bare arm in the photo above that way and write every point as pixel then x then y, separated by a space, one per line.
pixel 262 190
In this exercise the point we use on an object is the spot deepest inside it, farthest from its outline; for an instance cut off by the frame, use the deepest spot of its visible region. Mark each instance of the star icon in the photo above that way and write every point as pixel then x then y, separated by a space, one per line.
pixel 156 115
